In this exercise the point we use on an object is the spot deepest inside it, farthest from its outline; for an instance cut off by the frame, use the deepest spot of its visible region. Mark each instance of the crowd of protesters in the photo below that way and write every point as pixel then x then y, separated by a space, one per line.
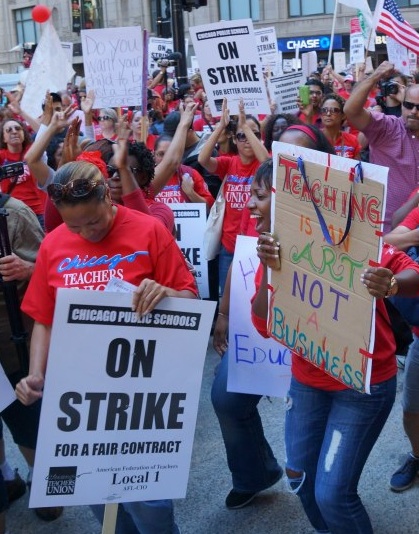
pixel 136 163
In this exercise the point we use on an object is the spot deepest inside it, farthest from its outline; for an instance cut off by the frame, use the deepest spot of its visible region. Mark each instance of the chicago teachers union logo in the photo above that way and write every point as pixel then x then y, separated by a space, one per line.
pixel 61 480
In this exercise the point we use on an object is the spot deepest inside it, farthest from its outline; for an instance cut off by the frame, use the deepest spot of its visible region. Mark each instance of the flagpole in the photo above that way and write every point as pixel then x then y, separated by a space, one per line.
pixel 332 34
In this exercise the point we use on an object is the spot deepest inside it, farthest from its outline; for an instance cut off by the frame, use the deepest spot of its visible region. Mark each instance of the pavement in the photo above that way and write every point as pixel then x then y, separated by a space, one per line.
pixel 273 511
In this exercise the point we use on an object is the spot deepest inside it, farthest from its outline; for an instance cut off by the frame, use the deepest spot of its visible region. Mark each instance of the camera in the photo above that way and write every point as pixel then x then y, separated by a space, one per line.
pixel 389 88
pixel 166 63
pixel 11 170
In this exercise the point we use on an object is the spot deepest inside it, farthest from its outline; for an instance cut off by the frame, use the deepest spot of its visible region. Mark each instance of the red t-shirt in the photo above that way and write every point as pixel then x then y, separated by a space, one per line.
pixel 26 188
pixel 236 192
pixel 136 247
pixel 383 360
pixel 172 191
pixel 347 145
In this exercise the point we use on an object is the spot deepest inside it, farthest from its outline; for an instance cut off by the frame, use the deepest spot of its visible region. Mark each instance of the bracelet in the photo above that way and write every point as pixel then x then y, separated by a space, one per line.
pixel 223 314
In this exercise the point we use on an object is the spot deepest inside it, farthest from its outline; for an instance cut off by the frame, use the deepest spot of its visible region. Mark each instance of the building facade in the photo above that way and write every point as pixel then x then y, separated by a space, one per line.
pixel 306 22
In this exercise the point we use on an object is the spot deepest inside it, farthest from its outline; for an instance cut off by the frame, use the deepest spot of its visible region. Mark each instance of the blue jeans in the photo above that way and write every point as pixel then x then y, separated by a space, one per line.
pixel 224 261
pixel 328 437
pixel 249 456
pixel 145 517
pixel 410 399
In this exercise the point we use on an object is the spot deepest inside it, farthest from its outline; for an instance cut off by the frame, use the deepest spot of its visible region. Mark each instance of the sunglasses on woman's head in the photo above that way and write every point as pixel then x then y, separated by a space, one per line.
pixel 78 188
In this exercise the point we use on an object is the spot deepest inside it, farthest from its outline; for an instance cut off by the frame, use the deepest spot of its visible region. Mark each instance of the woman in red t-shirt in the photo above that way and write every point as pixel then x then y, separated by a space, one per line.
pixel 331 428
pixel 237 173
pixel 14 143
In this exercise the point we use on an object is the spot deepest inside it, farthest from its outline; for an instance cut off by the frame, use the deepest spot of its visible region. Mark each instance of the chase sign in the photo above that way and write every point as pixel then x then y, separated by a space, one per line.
pixel 306 44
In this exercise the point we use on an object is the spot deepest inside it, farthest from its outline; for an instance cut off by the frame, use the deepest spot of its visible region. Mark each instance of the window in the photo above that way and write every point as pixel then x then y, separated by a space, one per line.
pixel 26 29
pixel 160 18
pixel 239 9
pixel 400 3
pixel 304 8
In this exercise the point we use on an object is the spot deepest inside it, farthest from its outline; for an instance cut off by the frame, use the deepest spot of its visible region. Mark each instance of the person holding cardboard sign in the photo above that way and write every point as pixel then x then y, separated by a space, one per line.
pixel 330 428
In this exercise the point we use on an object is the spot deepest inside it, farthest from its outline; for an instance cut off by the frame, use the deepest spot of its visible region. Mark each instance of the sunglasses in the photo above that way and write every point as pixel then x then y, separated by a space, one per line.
pixel 11 129
pixel 104 118
pixel 241 137
pixel 330 111
pixel 410 105
pixel 78 188
pixel 113 170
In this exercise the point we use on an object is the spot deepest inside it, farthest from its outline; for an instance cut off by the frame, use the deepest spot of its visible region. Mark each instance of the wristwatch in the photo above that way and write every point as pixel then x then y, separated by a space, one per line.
pixel 393 287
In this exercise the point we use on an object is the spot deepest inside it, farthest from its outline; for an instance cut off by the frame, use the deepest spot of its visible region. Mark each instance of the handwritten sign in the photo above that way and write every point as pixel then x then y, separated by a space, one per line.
pixel 284 91
pixel 190 223
pixel 256 365
pixel 113 65
pixel 120 399
pixel 230 66
pixel 320 308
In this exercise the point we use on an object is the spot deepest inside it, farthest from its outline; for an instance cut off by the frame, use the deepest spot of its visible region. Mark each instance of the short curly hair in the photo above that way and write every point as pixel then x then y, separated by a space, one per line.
pixel 145 159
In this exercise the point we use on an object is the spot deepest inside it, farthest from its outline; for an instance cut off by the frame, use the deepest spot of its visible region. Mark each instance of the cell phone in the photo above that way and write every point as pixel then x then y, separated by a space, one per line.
pixel 304 94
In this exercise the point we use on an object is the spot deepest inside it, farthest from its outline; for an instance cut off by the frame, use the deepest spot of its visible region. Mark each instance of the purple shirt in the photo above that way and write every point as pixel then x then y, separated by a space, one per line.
pixel 394 146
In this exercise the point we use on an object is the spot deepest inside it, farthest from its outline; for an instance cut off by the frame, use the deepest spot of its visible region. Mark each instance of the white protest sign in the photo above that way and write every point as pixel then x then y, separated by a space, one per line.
pixel 113 59
pixel 194 64
pixel 356 48
pixel 68 49
pixel 267 46
pixel 120 399
pixel 159 48
pixel 339 61
pixel 50 70
pixel 284 91
pixel 190 223
pixel 230 66
pixel 399 55
pixel 309 63
pixel 256 365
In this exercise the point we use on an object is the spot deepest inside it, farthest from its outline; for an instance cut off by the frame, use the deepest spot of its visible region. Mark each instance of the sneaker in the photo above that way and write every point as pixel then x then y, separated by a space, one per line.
pixel 15 488
pixel 404 477
pixel 240 499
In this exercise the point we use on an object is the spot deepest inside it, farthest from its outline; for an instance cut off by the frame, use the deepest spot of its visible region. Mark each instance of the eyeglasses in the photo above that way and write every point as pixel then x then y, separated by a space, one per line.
pixel 330 111
pixel 78 188
pixel 104 118
pixel 114 170
pixel 410 105
pixel 11 129
pixel 241 136
pixel 315 93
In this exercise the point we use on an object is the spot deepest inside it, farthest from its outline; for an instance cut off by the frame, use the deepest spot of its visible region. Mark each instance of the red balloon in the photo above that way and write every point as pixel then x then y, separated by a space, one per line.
pixel 41 13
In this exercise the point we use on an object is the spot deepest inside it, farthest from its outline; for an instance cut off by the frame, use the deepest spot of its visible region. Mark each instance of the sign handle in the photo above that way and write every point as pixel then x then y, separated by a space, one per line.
pixel 109 519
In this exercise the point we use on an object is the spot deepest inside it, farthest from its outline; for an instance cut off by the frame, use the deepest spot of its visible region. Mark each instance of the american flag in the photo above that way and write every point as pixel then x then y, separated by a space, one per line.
pixel 391 23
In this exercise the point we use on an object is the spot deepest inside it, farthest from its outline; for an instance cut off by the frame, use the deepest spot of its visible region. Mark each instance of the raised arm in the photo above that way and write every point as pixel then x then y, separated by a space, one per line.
pixel 173 156
pixel 354 109
pixel 258 148
pixel 205 158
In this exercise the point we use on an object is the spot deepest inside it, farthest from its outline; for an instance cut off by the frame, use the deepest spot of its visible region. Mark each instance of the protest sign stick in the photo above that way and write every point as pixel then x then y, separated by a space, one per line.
pixel 109 519
pixel 144 117
pixel 332 34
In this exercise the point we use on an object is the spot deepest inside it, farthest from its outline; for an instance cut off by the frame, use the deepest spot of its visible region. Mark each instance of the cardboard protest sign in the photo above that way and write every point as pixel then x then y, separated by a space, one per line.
pixel 284 91
pixel 120 399
pixel 7 393
pixel 256 365
pixel 319 306
pixel 113 61
pixel 267 46
pixel 190 223
pixel 230 66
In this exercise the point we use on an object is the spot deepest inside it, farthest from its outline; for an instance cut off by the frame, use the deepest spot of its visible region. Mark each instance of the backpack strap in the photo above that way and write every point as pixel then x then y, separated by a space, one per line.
pixel 4 197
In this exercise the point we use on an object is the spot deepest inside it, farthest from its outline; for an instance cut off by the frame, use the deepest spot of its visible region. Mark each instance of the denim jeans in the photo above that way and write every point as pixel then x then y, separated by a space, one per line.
pixel 249 456
pixel 410 399
pixel 328 437
pixel 224 261
pixel 145 517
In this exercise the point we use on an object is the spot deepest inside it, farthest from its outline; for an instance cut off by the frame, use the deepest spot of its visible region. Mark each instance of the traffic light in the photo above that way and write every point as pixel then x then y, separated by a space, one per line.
pixel 188 5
